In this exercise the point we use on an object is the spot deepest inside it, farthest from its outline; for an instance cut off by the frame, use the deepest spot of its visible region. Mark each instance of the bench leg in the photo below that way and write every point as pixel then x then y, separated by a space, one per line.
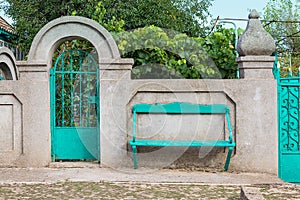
pixel 228 158
pixel 135 161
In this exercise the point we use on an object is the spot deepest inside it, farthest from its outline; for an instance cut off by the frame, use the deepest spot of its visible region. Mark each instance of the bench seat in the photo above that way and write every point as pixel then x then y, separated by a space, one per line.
pixel 182 143
pixel 180 108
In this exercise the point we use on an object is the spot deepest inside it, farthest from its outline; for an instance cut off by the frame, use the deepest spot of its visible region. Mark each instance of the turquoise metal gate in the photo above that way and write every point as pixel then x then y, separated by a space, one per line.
pixel 74 89
pixel 289 125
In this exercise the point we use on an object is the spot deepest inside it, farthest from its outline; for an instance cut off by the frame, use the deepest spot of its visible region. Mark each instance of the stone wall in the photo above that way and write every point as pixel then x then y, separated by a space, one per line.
pixel 25 117
pixel 253 114
pixel 25 107
pixel 252 100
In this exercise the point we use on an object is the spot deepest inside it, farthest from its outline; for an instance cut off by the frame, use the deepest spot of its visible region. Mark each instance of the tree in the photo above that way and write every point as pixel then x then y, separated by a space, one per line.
pixel 30 16
pixel 169 53
pixel 282 22
pixel 185 16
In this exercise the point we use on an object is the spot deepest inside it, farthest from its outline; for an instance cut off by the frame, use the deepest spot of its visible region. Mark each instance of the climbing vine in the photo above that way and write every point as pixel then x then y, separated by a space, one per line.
pixel 162 53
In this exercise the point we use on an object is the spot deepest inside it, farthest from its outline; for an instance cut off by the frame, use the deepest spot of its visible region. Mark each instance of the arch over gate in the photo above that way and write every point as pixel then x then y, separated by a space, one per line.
pixel 75 136
pixel 8 68
pixel 36 72
pixel 67 28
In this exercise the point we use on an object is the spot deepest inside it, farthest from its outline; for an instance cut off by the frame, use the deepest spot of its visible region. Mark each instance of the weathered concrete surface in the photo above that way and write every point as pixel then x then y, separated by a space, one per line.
pixel 255 47
pixel 250 193
pixel 95 174
pixel 256 67
pixel 30 130
pixel 11 134
pixel 8 64
pixel 252 105
pixel 84 180
pixel 255 40
pixel 67 28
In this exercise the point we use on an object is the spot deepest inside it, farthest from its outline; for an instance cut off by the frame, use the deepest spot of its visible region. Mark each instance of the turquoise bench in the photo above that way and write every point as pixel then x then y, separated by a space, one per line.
pixel 180 108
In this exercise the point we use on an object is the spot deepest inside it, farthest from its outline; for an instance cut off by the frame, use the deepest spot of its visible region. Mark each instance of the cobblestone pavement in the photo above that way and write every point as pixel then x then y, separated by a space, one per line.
pixel 129 190
pixel 104 183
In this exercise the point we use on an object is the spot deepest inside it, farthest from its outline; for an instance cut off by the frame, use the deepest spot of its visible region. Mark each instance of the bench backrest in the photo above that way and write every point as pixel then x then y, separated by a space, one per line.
pixel 181 108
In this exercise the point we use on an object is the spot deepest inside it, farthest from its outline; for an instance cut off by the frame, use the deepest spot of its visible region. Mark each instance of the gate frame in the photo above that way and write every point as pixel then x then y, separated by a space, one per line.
pixel 289 177
pixel 53 72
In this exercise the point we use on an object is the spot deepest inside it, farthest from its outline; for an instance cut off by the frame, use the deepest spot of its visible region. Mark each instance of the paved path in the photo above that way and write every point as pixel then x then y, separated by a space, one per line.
pixel 95 174
pixel 69 181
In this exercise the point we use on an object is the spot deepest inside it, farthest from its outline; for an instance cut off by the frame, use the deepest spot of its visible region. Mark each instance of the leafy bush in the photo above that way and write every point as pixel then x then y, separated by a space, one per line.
pixel 164 54
pixel 161 53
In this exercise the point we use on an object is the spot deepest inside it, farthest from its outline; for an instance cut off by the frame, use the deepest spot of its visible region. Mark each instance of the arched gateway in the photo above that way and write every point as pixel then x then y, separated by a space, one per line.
pixel 74 84
pixel 67 28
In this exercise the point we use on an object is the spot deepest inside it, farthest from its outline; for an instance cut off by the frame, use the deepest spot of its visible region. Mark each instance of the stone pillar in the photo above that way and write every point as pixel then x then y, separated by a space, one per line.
pixel 115 69
pixel 256 116
pixel 33 93
pixel 33 71
pixel 114 79
pixel 255 47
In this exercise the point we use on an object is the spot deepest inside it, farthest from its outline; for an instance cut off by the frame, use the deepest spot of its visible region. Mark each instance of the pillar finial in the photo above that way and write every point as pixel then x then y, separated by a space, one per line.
pixel 255 41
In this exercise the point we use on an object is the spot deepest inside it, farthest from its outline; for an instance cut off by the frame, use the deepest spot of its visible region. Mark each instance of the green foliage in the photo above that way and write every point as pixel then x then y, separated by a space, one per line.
pixel 185 16
pixel 100 16
pixel 76 82
pixel 286 34
pixel 289 63
pixel 283 10
pixel 30 16
pixel 220 46
pixel 158 54
pixel 74 44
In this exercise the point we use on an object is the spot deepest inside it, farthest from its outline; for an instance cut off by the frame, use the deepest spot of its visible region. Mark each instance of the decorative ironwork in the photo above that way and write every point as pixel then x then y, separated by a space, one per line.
pixel 289 114
pixel 288 87
pixel 76 89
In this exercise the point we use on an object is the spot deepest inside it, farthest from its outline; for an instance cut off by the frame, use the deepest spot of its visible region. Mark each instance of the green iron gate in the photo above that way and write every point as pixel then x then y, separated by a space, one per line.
pixel 74 89
pixel 289 125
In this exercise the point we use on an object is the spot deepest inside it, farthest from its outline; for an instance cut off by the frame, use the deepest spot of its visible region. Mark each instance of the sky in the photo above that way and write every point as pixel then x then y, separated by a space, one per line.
pixel 225 9
pixel 236 9
pixel 5 17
